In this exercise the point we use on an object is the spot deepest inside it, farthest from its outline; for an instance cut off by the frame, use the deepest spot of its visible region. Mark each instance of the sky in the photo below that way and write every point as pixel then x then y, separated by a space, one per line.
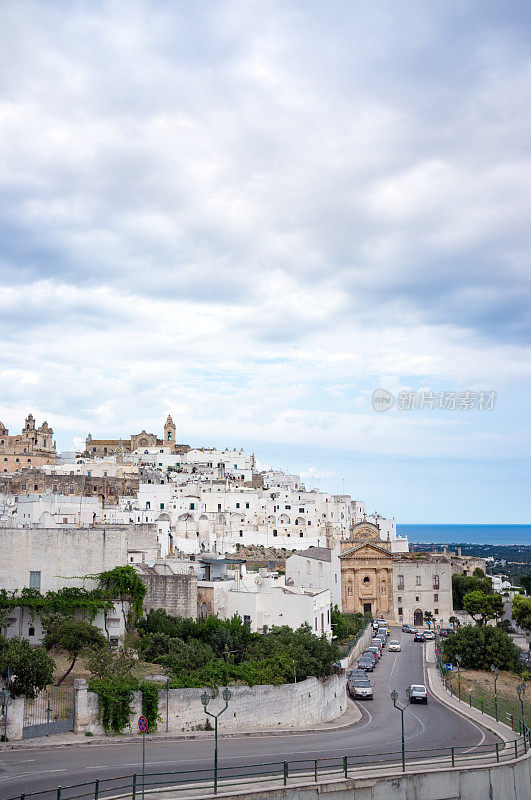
pixel 252 215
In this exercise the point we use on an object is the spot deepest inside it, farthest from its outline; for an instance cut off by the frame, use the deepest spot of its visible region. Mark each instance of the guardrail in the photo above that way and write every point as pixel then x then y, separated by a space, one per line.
pixel 199 781
pixel 494 710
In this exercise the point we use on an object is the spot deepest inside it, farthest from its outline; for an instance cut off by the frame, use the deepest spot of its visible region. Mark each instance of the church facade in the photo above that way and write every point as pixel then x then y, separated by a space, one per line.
pixel 137 441
pixel 366 572
pixel 31 448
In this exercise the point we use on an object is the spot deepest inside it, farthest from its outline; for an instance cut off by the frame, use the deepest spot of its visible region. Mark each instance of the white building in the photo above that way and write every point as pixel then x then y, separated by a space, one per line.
pixel 316 568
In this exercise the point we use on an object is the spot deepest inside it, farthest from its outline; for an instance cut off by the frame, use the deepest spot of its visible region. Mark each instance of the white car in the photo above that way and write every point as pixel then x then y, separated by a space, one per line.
pixel 418 694
pixel 395 647
pixel 428 634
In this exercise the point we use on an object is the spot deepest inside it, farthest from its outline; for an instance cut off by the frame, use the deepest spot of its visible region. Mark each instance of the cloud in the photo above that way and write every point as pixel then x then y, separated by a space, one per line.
pixel 254 215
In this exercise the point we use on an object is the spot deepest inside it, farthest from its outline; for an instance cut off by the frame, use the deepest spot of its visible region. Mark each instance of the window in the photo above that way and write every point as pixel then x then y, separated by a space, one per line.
pixel 241 533
pixel 335 576
pixel 400 611
pixel 161 506
pixel 247 620
pixel 399 599
pixel 192 506
pixel 219 505
pixel 31 631
pixel 89 474
pixel 300 535
pixel 301 511
pixel 148 504
pixel 35 581
pixel 247 505
pixel 399 581
pixel 274 531
pixel 418 580
pixel 417 599
pixel 366 580
pixel 435 598
pixel 309 522
pixel 237 505
pixel 287 507
pixel 435 581
pixel 436 611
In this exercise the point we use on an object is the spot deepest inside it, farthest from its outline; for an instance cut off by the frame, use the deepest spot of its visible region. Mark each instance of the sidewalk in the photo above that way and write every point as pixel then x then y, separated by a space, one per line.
pixel 351 716
pixel 437 687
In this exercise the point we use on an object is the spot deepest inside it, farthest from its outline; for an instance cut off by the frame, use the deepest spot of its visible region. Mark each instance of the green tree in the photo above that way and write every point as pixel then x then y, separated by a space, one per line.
pixel 521 611
pixel 455 622
pixel 463 584
pixel 429 618
pixel 30 668
pixel 525 581
pixel 482 607
pixel 75 636
pixel 478 573
pixel 105 663
pixel 481 646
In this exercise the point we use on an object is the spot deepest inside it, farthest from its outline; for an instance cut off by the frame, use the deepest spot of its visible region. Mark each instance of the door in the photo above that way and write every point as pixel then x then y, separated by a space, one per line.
pixel 418 619
pixel 367 608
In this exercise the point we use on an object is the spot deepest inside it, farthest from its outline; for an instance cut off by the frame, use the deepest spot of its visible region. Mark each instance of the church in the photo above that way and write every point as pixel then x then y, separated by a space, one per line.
pixel 104 447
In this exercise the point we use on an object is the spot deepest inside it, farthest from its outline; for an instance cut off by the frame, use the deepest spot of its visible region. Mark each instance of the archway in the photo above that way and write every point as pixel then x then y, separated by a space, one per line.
pixel 418 618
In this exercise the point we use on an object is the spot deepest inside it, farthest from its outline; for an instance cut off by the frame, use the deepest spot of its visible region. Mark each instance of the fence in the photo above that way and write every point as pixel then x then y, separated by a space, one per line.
pixel 52 711
pixel 495 710
pixel 284 773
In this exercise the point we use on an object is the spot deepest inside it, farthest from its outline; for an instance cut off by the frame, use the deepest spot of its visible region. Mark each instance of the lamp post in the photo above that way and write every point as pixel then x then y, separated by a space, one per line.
pixel 495 671
pixel 394 697
pixel 458 661
pixel 521 694
pixel 4 700
pixel 205 699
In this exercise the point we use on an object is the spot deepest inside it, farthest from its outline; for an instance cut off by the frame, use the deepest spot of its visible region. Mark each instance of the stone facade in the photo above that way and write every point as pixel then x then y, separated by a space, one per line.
pixel 137 441
pixel 421 585
pixel 366 572
pixel 176 594
pixel 36 481
pixel 33 447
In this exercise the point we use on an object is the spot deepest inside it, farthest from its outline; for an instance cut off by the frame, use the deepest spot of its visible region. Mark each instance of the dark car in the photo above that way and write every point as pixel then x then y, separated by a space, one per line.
pixel 419 637
pixel 444 632
pixel 366 664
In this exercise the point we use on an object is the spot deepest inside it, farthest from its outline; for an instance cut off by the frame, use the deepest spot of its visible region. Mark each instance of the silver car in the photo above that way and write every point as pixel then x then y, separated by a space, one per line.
pixel 418 694
pixel 361 689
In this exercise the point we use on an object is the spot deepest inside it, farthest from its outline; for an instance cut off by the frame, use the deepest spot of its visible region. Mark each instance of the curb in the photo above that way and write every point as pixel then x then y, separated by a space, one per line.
pixel 352 711
pixel 497 728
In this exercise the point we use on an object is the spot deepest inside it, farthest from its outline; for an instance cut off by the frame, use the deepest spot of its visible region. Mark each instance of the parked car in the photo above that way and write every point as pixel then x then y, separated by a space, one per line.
pixel 354 674
pixel 444 632
pixel 419 637
pixel 382 639
pixel 376 650
pixel 406 628
pixel 372 654
pixel 412 629
pixel 361 690
pixel 395 646
pixel 429 634
pixel 418 694
pixel 366 664
pixel 377 643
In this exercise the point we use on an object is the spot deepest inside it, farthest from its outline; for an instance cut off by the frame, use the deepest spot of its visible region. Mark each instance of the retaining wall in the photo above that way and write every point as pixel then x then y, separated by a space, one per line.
pixel 299 705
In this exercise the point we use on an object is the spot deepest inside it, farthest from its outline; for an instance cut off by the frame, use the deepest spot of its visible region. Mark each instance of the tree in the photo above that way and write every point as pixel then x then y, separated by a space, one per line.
pixel 75 636
pixel 481 646
pixel 482 607
pixel 525 581
pixel 429 618
pixel 462 584
pixel 455 622
pixel 478 573
pixel 521 612
pixel 30 668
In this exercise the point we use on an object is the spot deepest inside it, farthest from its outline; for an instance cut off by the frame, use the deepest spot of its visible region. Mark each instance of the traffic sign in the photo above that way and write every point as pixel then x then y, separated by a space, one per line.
pixel 142 724
pixel 437 651
pixel 449 667
pixel 438 627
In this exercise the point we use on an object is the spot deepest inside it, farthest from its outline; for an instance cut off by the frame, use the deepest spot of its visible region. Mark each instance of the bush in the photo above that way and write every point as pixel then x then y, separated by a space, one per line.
pixel 481 646
pixel 31 667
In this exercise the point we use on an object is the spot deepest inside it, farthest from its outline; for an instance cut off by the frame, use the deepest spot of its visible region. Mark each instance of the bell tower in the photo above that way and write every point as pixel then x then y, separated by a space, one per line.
pixel 169 432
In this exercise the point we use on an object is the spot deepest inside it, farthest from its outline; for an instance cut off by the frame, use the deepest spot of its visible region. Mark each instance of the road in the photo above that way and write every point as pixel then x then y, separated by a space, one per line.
pixel 426 726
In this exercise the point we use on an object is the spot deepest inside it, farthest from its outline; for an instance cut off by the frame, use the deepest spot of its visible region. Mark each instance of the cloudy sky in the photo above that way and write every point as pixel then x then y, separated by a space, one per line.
pixel 253 214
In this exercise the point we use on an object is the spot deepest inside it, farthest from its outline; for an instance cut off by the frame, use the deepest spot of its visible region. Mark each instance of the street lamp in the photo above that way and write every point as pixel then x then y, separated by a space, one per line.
pixel 394 698
pixel 495 671
pixel 521 694
pixel 458 661
pixel 205 699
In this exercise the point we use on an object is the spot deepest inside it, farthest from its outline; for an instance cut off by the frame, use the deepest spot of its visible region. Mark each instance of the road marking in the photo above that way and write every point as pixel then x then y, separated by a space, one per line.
pixel 23 774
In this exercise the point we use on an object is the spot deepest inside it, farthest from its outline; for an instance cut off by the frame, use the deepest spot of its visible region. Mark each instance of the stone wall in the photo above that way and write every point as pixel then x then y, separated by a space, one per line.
pixel 176 594
pixel 35 481
pixel 299 705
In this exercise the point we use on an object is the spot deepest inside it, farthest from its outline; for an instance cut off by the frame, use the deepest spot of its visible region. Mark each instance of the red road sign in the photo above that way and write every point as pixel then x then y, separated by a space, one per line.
pixel 142 724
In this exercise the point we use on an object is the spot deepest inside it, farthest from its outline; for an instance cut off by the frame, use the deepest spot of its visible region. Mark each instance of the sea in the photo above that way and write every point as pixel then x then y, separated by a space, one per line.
pixel 470 534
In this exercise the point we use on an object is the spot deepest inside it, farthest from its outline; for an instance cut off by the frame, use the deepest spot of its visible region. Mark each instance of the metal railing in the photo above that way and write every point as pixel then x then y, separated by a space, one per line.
pixel 197 782
pixel 495 710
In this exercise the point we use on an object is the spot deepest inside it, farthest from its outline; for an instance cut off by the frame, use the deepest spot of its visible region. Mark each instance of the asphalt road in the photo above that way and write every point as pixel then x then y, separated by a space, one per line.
pixel 378 732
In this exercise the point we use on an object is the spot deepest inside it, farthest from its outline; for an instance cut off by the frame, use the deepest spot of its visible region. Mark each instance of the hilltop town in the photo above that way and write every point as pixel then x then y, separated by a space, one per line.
pixel 183 516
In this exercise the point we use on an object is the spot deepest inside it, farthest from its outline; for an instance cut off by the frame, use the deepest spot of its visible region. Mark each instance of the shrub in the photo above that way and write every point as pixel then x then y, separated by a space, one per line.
pixel 481 646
